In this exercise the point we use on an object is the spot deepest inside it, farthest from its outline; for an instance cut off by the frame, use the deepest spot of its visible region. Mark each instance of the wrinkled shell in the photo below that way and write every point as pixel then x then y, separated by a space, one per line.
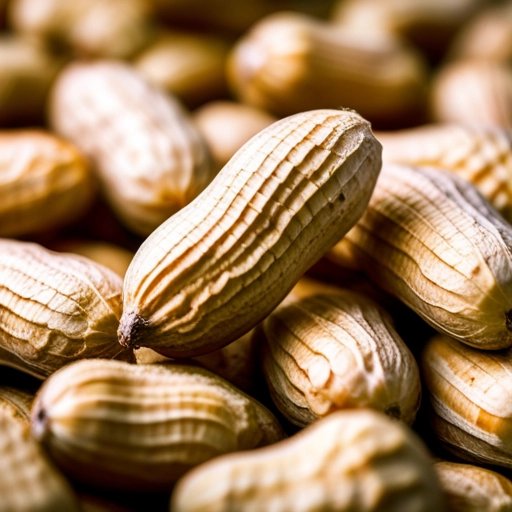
pixel 471 397
pixel 480 155
pixel 351 460
pixel 149 156
pixel 335 351
pixel 431 240
pixel 29 482
pixel 44 182
pixel 55 308
pixel 289 62
pixel 140 427
pixel 470 488
pixel 217 267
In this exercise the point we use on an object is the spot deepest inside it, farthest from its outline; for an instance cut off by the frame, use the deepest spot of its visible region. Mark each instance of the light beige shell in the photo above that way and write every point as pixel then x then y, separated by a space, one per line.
pixel 431 240
pixel 487 36
pixel 471 399
pixel 55 308
pixel 92 28
pixel 188 65
pixel 429 24
pixel 480 155
pixel 45 182
pixel 216 268
pixel 351 460
pixel 474 92
pixel 140 427
pixel 149 156
pixel 289 62
pixel 227 126
pixel 335 351
pixel 470 488
pixel 29 481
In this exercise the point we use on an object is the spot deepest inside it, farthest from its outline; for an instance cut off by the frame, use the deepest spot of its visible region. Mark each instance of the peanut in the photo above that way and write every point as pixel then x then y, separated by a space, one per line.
pixel 350 460
pixel 45 182
pixel 220 265
pixel 140 427
pixel 431 240
pixel 55 308
pixel 471 400
pixel 149 157
pixel 333 351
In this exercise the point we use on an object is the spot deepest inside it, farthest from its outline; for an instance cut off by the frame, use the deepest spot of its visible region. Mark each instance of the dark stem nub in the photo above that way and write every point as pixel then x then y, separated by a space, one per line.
pixel 394 411
pixel 131 330
pixel 508 319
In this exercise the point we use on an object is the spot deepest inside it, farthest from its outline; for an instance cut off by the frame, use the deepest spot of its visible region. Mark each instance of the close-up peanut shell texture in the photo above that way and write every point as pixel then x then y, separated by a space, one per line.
pixel 218 266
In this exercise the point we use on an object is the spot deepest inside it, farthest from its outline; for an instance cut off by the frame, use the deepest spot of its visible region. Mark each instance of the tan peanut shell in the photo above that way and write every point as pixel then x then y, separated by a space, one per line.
pixel 431 240
pixel 188 65
pixel 27 70
pixel 16 403
pixel 428 24
pixel 29 481
pixel 87 28
pixel 217 267
pixel 335 351
pixel 351 460
pixel 471 488
pixel 487 36
pixel 480 155
pixel 290 62
pixel 55 308
pixel 228 125
pixel 471 400
pixel 149 156
pixel 140 427
pixel 44 182
pixel 477 92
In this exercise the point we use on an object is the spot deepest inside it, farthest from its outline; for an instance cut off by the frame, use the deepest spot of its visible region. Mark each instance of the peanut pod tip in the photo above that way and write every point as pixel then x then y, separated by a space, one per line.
pixel 130 328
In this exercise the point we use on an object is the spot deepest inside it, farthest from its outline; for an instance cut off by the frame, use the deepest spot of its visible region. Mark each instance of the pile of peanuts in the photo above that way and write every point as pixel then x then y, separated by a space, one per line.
pixel 255 255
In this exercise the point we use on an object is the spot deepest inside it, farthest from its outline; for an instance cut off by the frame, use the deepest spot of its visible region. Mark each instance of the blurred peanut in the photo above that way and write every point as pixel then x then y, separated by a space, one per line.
pixel 470 488
pixel 149 156
pixel 188 65
pixel 227 126
pixel 289 62
pixel 473 92
pixel 351 460
pixel 45 182
pixel 87 28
